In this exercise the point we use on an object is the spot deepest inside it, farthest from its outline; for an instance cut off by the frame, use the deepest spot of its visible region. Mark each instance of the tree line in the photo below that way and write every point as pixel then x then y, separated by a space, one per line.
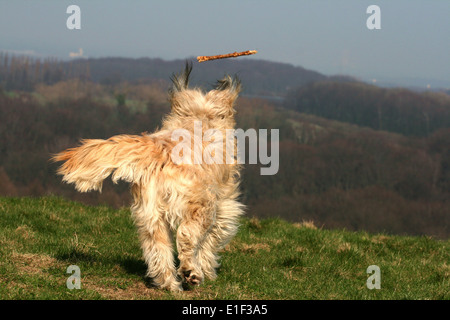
pixel 396 110
pixel 25 72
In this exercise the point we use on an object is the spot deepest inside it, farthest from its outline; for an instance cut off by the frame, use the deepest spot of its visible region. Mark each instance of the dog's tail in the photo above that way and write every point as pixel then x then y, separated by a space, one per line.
pixel 127 157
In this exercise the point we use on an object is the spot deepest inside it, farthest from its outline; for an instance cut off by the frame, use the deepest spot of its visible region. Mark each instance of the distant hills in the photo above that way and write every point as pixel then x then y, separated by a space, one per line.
pixel 339 97
pixel 259 77
pixel 262 77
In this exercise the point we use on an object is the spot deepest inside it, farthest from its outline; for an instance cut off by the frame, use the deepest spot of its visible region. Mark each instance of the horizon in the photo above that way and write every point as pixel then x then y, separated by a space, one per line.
pixel 337 41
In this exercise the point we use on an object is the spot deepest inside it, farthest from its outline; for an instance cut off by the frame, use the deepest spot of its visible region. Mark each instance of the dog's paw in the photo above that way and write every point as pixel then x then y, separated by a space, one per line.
pixel 192 277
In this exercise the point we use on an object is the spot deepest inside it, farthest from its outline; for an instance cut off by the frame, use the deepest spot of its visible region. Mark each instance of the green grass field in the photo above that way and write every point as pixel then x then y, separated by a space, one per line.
pixel 268 259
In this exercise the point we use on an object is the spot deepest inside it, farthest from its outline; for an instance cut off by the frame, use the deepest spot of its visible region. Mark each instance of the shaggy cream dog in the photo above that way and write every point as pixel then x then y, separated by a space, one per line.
pixel 196 201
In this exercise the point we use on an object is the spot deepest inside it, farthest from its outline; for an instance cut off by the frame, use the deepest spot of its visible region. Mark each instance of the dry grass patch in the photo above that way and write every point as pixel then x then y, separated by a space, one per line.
pixel 31 263
pixel 25 232
pixel 254 247
pixel 380 239
pixel 305 224
pixel 344 247
pixel 135 291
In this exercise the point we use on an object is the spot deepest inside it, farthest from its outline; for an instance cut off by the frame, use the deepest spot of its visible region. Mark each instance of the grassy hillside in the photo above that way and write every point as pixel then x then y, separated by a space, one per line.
pixel 269 259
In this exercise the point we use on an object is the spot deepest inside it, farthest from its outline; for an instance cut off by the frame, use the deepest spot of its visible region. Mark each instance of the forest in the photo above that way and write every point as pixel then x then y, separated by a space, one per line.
pixel 352 155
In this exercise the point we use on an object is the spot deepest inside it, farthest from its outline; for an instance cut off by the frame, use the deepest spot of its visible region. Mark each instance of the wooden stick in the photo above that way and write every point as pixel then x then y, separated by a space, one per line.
pixel 229 55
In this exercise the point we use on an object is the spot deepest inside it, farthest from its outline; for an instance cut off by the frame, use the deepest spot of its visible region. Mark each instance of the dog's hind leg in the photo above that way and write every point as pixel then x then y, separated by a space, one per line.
pixel 158 255
pixel 191 234
pixel 156 240
pixel 219 235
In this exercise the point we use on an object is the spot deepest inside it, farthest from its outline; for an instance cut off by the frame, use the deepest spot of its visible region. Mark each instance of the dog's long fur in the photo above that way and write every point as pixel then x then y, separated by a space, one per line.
pixel 198 202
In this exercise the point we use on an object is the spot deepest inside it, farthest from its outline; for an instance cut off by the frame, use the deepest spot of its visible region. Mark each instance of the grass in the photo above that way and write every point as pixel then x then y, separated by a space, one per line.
pixel 268 259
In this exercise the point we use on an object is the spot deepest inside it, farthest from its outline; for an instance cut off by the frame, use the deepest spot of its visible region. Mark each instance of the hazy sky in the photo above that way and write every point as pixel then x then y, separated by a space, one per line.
pixel 327 36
